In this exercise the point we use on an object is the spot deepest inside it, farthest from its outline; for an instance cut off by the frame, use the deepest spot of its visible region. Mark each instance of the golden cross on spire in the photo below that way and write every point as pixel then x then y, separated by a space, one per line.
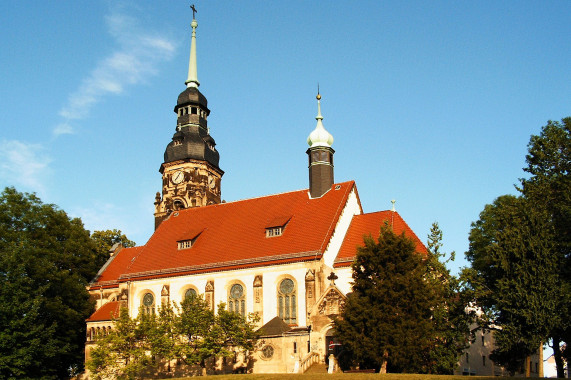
pixel 194 11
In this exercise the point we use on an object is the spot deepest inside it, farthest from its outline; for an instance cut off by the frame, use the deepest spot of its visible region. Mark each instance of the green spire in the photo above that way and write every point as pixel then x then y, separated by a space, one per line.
pixel 192 80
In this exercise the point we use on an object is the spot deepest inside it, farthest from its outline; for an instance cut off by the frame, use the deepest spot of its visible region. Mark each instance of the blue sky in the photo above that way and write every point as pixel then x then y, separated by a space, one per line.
pixel 430 103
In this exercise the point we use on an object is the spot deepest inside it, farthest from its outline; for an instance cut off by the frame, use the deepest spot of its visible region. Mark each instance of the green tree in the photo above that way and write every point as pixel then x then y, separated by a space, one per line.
pixel 45 261
pixel 190 333
pixel 514 277
pixel 549 189
pixel 125 352
pixel 208 335
pixel 106 239
pixel 194 325
pixel 232 333
pixel 387 317
pixel 449 315
pixel 164 338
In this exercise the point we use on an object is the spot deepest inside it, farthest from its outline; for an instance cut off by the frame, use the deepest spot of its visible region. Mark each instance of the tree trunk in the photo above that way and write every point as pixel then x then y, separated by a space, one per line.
pixel 384 365
pixel 558 356
pixel 540 374
pixel 203 365
pixel 527 365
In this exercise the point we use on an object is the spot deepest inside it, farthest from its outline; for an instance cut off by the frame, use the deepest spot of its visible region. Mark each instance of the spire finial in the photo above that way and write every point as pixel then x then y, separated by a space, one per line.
pixel 318 97
pixel 319 136
pixel 192 80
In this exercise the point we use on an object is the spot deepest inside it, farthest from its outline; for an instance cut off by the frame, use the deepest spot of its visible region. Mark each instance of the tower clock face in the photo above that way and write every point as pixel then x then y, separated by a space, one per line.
pixel 211 182
pixel 178 177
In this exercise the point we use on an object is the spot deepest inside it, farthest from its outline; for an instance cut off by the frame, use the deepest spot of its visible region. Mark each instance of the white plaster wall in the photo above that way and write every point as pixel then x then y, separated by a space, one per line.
pixel 345 279
pixel 271 276
pixel 351 208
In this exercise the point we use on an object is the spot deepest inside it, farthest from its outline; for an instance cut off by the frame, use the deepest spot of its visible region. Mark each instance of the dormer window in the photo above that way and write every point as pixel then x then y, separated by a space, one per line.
pixel 188 239
pixel 185 244
pixel 276 226
pixel 274 231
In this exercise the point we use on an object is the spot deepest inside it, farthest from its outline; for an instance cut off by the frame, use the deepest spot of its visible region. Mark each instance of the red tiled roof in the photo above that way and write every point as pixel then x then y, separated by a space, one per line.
pixel 370 224
pixel 233 235
pixel 116 267
pixel 106 312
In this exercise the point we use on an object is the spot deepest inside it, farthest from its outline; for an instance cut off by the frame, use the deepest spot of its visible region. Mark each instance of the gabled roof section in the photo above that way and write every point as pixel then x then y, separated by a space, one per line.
pixel 276 326
pixel 107 312
pixel 190 234
pixel 233 234
pixel 115 267
pixel 370 224
pixel 278 221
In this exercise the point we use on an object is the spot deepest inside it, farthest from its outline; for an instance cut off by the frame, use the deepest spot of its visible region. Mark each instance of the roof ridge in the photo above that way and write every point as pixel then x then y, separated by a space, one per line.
pixel 337 216
pixel 412 231
pixel 276 194
pixel 376 212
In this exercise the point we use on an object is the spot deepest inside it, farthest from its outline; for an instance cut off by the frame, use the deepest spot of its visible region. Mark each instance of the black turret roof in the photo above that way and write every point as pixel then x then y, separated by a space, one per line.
pixel 192 139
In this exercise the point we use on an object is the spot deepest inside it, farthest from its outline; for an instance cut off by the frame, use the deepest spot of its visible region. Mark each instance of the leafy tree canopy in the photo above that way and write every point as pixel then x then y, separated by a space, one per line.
pixel 549 188
pixel 189 333
pixel 105 240
pixel 514 277
pixel 46 259
pixel 520 254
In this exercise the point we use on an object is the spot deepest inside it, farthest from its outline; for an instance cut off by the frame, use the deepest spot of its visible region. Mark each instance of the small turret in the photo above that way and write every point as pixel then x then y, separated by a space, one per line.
pixel 320 156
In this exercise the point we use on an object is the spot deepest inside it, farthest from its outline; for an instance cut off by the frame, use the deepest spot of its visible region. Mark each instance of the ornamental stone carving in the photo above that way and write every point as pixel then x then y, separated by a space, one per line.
pixel 332 303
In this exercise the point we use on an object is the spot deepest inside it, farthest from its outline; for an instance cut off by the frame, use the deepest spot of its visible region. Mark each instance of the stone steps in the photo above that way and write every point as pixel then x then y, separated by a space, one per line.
pixel 317 368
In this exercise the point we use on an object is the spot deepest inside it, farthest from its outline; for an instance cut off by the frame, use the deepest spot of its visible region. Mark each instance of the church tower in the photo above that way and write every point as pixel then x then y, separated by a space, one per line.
pixel 191 176
pixel 320 157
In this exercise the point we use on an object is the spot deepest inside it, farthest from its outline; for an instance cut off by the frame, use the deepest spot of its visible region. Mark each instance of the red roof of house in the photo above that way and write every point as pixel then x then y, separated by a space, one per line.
pixel 106 312
pixel 233 235
pixel 370 224
pixel 115 267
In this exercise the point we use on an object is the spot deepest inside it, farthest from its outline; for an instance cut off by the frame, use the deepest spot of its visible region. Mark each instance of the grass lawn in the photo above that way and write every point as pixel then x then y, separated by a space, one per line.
pixel 341 376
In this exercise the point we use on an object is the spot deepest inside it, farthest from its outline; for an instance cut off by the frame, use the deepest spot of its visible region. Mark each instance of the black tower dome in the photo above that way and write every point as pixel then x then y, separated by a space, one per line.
pixel 192 139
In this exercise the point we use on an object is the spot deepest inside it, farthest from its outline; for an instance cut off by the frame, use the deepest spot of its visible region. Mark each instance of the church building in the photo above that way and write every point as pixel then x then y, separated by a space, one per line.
pixel 286 256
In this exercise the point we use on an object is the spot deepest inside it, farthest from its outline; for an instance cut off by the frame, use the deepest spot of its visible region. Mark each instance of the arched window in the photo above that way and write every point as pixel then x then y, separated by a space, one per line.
pixel 190 292
pixel 237 300
pixel 178 205
pixel 287 308
pixel 149 303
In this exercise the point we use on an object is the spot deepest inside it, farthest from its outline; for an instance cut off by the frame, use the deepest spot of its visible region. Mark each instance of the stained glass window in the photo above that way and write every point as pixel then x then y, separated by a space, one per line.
pixel 287 301
pixel 149 303
pixel 237 300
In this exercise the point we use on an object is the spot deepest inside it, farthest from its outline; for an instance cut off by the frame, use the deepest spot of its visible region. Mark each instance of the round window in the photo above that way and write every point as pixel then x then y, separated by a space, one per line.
pixel 236 291
pixel 267 351
pixel 148 299
pixel 286 286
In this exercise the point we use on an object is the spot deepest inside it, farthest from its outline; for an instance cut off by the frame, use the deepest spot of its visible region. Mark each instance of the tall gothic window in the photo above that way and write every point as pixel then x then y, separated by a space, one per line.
pixel 237 300
pixel 287 308
pixel 190 293
pixel 149 303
